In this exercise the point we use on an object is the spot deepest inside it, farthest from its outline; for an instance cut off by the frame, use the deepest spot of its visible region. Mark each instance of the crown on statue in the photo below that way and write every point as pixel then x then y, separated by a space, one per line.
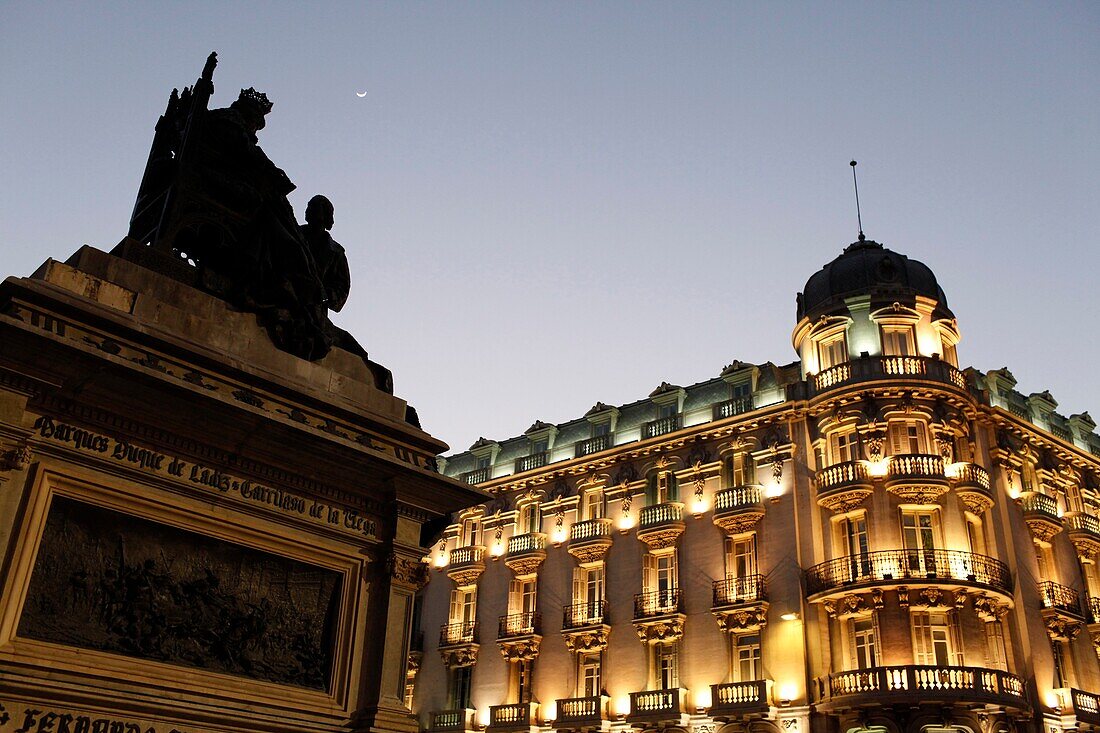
pixel 259 99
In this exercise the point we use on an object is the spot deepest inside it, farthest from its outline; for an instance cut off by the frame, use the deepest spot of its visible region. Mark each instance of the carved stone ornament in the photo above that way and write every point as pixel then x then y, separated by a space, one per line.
pixel 514 650
pixel 459 656
pixel 988 609
pixel 1060 628
pixel 903 597
pixel 592 550
pixel 661 537
pixel 1096 642
pixel 830 608
pixel 740 522
pixel 412 664
pixel 589 640
pixel 960 598
pixel 667 629
pixel 876 598
pixel 17 459
pixel 844 501
pixel 525 564
pixel 743 619
pixel 1042 529
pixel 932 596
pixel 466 574
pixel 978 502
pixel 408 571
pixel 918 493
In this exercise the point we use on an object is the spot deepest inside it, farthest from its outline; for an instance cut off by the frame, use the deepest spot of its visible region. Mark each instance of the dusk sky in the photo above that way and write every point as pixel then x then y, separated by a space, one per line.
pixel 550 204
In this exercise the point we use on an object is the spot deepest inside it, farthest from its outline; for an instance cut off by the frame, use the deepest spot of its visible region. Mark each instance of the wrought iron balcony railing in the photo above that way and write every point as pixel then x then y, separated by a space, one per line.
pixel 899 565
pixel 519 624
pixel 747 589
pixel 535 460
pixel 739 698
pixel 595 444
pixel 660 426
pixel 589 613
pixel 658 603
pixel 925 683
pixel 1060 597
pixel 1032 502
pixel 463 632
pixel 736 406
pixel 887 367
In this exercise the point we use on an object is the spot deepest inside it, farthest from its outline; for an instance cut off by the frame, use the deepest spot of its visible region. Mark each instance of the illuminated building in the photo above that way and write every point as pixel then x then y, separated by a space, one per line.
pixel 868 537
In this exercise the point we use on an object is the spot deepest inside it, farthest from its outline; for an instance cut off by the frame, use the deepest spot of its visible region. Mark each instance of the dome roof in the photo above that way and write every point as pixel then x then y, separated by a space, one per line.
pixel 867 268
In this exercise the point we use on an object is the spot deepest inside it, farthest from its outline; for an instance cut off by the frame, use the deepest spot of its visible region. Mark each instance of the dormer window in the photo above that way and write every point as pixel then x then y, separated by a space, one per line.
pixel 832 351
pixel 665 411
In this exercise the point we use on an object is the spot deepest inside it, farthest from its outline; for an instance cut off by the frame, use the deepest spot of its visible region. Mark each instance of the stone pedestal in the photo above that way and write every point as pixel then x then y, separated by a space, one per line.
pixel 199 531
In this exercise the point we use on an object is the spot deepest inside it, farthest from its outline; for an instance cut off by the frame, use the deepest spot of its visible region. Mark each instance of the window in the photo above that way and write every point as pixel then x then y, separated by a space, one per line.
pixel 530 518
pixel 853 537
pixel 995 646
pixel 832 351
pixel 460 687
pixel 662 487
pixel 936 639
pixel 740 556
pixel 863 640
pixel 471 532
pixel 522 596
pixel 540 446
pixel 659 580
pixel 666 666
pixel 589 682
pixel 898 341
pixel 746 657
pixel 484 462
pixel 908 436
pixel 463 606
pixel 948 352
pixel 601 429
pixel 588 593
pixel 668 409
pixel 592 504
pixel 844 447
pixel 1060 679
pixel 919 533
pixel 524 679
pixel 741 469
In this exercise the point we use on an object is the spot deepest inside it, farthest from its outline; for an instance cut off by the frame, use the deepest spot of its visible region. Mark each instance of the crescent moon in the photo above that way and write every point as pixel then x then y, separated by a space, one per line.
pixel 360 94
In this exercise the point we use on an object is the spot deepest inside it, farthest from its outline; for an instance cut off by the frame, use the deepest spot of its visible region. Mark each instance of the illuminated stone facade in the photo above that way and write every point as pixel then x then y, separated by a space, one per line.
pixel 869 536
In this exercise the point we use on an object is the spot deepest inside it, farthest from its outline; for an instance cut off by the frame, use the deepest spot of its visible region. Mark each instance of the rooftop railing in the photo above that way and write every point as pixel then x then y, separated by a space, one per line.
pixel 729 408
pixel 897 565
pixel 887 367
pixel 535 460
pixel 595 444
pixel 660 426
pixel 478 475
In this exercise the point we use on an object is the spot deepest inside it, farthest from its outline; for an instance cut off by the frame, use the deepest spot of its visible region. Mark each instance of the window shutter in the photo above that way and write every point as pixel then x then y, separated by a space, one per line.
pixel 456 608
pixel 878 638
pixel 922 638
pixel 956 638
pixel 673 487
pixel 515 597
pixel 651 489
pixel 649 573
pixel 578 586
pixel 897 438
pixel 853 659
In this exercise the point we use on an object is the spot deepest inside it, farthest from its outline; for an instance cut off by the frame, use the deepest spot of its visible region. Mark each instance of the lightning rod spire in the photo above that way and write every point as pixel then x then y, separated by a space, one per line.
pixel 859 217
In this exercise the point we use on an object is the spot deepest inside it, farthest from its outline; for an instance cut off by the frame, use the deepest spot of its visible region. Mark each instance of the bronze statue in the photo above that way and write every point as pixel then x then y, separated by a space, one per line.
pixel 214 207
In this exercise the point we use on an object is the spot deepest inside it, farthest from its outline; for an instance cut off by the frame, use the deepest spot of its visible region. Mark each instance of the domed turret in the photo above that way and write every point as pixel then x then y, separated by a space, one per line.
pixel 872 301
pixel 867 268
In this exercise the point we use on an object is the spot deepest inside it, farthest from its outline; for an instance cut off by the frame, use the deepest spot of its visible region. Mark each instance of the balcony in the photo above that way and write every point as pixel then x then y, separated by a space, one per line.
pixel 1084 533
pixel 740 604
pixel 519 635
pixel 1086 707
pixel 452 721
pixel 972 485
pixel 1040 515
pixel 594 444
pixel 911 568
pixel 740 700
pixel 843 486
pixel 585 626
pixel 661 525
pixel 729 408
pixel 657 708
pixel 466 564
pixel 583 714
pixel 533 461
pixel 892 369
pixel 526 552
pixel 590 539
pixel 660 426
pixel 516 717
pixel 478 476
pixel 1062 613
pixel 918 684
pixel 659 615
pixel 739 509
pixel 458 644
pixel 916 477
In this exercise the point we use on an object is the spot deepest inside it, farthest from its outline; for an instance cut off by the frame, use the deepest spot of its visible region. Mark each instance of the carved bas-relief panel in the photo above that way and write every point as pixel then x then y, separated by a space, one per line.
pixel 121 584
